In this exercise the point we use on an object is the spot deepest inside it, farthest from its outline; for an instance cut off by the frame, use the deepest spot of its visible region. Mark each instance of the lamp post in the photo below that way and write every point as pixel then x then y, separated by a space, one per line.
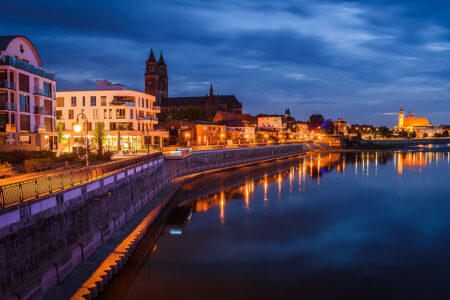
pixel 77 128
pixel 188 139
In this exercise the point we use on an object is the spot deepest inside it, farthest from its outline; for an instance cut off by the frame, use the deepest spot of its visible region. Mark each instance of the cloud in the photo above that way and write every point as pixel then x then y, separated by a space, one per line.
pixel 353 59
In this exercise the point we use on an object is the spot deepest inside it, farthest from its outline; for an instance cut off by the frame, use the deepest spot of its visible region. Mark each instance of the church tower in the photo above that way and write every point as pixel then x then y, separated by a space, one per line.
pixel 401 117
pixel 156 79
pixel 163 79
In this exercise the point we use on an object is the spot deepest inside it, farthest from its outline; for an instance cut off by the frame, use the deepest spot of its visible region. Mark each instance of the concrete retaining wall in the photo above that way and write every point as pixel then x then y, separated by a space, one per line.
pixel 408 142
pixel 41 242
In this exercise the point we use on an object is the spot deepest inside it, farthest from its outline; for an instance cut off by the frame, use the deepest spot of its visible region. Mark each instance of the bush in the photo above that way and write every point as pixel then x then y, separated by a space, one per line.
pixel 67 157
pixel 31 165
pixel 99 157
pixel 20 156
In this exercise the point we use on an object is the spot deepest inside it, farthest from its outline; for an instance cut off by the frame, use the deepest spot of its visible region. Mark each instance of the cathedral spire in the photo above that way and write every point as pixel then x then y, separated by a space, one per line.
pixel 401 107
pixel 161 60
pixel 211 91
pixel 151 57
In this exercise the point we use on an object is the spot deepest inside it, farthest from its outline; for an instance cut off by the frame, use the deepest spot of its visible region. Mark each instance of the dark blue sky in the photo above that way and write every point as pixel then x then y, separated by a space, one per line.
pixel 354 59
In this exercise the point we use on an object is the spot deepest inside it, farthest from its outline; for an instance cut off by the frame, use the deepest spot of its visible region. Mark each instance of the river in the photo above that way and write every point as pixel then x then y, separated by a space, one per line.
pixel 365 225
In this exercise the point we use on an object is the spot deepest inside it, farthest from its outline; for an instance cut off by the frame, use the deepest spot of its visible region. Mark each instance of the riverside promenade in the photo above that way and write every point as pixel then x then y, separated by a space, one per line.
pixel 43 240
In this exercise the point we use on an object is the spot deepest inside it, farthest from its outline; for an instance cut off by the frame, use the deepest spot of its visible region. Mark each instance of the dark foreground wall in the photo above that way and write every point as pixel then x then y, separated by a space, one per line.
pixel 41 242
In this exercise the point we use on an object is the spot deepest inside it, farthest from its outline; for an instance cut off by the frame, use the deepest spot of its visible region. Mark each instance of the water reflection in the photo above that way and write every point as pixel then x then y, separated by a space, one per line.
pixel 341 225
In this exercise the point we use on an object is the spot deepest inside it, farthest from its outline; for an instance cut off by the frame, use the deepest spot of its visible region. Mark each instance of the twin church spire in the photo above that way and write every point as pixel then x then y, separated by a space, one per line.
pixel 156 79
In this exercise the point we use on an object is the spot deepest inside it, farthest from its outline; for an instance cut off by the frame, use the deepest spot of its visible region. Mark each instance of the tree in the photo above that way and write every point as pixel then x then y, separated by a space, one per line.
pixel 60 132
pixel 192 113
pixel 99 136
pixel 315 120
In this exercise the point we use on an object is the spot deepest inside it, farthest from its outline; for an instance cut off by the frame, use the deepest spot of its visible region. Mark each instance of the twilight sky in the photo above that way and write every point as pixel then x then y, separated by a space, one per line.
pixel 354 59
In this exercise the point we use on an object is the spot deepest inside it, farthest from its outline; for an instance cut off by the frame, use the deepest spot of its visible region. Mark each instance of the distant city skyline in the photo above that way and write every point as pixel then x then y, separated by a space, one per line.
pixel 359 60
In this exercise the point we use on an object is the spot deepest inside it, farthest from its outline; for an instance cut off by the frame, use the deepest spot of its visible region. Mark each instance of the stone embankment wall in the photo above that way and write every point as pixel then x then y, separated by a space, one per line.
pixel 42 241
pixel 408 142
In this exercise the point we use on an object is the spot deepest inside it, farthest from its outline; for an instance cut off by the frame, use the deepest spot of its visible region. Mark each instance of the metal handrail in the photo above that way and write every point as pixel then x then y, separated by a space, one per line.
pixel 13 194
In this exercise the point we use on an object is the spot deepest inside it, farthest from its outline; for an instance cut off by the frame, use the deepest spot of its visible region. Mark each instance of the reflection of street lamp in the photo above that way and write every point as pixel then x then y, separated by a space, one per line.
pixel 77 128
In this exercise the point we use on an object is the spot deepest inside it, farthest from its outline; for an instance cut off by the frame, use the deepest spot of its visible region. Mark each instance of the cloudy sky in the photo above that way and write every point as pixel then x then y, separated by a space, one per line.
pixel 354 59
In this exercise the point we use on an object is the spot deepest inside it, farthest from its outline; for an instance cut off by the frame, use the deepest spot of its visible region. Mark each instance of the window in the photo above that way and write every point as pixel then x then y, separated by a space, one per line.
pixel 93 101
pixel 120 113
pixel 139 102
pixel 110 113
pixel 60 102
pixel 112 126
pixel 24 103
pixel 71 115
pixel 73 101
pixel 131 114
pixel 105 114
pixel 142 104
pixel 95 112
pixel 146 103
pixel 58 114
pixel 103 100
pixel 84 101
pixel 47 89
pixel 24 83
pixel 139 126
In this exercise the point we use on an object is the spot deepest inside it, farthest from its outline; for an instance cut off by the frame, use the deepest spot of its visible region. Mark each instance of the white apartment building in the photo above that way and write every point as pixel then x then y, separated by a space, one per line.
pixel 26 97
pixel 128 116
pixel 274 122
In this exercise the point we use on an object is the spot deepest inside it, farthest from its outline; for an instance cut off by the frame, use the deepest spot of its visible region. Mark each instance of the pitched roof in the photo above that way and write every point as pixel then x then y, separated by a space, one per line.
pixel 6 39
pixel 186 101
pixel 232 123
pixel 183 101
pixel 151 57
pixel 415 122
pixel 161 60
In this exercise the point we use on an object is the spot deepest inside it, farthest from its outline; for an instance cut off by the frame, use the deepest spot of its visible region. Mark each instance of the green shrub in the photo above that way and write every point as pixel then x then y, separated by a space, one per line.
pixel 20 156
pixel 31 165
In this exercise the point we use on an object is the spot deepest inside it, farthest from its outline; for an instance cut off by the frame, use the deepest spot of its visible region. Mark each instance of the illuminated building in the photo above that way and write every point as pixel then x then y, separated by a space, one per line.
pixel 26 97
pixel 127 115
pixel 413 124
pixel 196 132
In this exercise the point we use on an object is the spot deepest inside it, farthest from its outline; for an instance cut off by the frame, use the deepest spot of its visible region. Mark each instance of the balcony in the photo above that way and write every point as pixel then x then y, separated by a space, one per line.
pixel 42 111
pixel 42 92
pixel 8 106
pixel 23 65
pixel 148 118
pixel 5 84
pixel 156 107
pixel 125 103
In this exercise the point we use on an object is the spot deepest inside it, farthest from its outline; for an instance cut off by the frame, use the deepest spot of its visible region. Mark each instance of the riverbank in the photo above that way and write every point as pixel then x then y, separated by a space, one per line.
pixel 93 272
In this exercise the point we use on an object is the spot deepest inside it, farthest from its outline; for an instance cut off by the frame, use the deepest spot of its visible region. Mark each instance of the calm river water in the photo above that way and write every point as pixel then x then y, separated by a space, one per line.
pixel 330 226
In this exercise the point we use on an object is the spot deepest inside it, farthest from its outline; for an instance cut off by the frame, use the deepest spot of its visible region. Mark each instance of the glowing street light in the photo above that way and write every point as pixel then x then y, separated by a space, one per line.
pixel 77 128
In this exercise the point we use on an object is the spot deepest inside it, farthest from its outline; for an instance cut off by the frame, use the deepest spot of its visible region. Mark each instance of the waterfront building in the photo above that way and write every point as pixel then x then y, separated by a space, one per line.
pixel 128 116
pixel 271 122
pixel 210 103
pixel 301 129
pixel 27 92
pixel 196 132
pixel 420 126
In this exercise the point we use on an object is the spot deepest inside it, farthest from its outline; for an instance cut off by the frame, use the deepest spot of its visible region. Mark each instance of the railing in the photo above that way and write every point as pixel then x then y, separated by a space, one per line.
pixel 16 193
pixel 18 63
pixel 148 118
pixel 42 111
pixel 126 103
pixel 7 85
pixel 8 106
pixel 41 92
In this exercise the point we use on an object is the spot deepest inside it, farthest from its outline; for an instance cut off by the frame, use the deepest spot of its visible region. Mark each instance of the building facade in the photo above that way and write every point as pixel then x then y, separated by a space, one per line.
pixel 156 79
pixel 273 122
pixel 198 133
pixel 27 101
pixel 129 117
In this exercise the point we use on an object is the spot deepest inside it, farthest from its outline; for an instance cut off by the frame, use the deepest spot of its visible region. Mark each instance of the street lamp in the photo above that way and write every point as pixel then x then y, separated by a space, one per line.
pixel 187 138
pixel 77 128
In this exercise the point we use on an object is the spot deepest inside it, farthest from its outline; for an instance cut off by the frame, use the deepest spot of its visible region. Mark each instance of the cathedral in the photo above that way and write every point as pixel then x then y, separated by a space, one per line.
pixel 410 123
pixel 157 84
pixel 156 80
